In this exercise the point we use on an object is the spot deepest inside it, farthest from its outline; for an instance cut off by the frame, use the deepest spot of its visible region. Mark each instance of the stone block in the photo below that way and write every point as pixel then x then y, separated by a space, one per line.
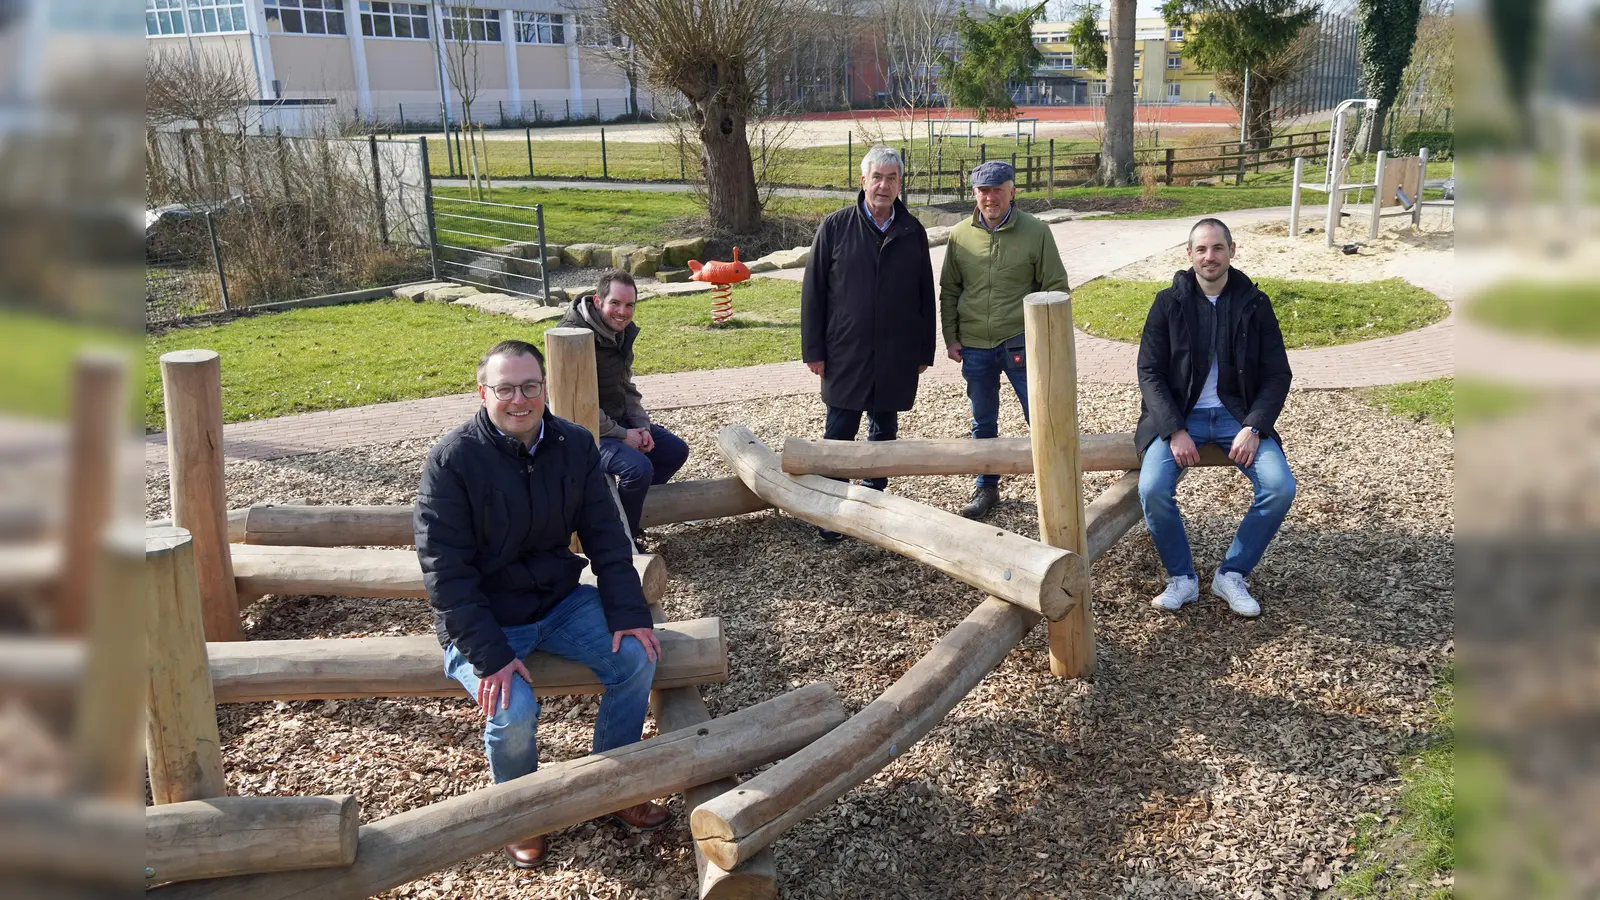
pixel 418 292
pixel 622 255
pixel 644 262
pixel 584 255
pixel 678 253
pixel 674 275
pixel 762 265
pixel 450 294
pixel 790 259
pixel 938 235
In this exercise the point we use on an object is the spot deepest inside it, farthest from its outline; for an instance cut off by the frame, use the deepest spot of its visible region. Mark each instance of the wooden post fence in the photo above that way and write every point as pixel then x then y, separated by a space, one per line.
pixel 184 750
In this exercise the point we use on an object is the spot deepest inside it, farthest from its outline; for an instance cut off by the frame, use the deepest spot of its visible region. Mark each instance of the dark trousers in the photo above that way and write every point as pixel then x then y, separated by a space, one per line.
pixel 636 471
pixel 844 424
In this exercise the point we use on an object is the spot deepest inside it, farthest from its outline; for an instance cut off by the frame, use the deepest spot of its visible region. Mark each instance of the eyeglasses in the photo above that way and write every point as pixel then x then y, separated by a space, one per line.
pixel 532 390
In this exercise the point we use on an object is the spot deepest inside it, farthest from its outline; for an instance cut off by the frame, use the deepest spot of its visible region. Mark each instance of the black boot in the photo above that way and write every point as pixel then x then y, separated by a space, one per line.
pixel 983 500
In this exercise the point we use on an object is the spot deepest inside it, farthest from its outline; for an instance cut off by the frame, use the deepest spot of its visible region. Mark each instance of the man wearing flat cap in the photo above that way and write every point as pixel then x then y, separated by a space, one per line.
pixel 993 261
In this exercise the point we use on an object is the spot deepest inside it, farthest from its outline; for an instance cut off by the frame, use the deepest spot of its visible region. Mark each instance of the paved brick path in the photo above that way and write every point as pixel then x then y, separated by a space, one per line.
pixel 1089 249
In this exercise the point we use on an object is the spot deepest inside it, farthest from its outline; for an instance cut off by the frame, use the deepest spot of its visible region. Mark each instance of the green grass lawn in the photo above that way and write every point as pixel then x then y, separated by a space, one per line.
pixel 332 357
pixel 1422 401
pixel 573 215
pixel 1562 311
pixel 1402 857
pixel 1312 313
pixel 36 370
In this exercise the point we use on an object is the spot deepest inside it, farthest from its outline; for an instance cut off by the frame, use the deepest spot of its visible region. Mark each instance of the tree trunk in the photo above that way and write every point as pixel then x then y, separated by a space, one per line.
pixel 1259 124
pixel 1116 157
pixel 1370 139
pixel 731 197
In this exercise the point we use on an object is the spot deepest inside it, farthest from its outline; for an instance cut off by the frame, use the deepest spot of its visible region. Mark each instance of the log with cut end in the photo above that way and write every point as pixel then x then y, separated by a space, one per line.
pixel 958 456
pixel 247 835
pixel 369 572
pixel 739 824
pixel 692 652
pixel 411 844
pixel 1045 580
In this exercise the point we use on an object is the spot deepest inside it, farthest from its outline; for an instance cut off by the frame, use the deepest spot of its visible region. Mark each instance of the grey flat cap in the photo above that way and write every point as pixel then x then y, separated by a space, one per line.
pixel 993 173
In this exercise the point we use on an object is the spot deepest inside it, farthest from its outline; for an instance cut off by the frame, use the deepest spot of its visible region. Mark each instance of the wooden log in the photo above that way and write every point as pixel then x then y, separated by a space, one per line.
pixel 66 842
pixel 41 671
pixel 287 525
pixel 191 384
pixel 692 652
pixel 184 751
pixel 109 719
pixel 1053 391
pixel 1042 579
pixel 1112 513
pixel 738 825
pixel 690 501
pixel 248 835
pixel 570 376
pixel 411 844
pixel 370 572
pixel 757 879
pixel 958 456
pixel 99 411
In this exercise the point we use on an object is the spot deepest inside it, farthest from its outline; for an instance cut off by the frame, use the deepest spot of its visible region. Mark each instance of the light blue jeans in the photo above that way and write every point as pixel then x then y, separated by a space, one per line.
pixel 1158 494
pixel 576 630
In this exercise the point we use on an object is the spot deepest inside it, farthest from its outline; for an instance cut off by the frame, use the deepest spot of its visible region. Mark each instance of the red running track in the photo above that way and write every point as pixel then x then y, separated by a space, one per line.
pixel 1220 114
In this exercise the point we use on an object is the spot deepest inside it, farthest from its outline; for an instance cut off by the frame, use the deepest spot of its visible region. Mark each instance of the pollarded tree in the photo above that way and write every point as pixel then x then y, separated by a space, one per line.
pixel 714 53
pixel 1231 37
pixel 1385 32
pixel 994 51
pixel 1116 151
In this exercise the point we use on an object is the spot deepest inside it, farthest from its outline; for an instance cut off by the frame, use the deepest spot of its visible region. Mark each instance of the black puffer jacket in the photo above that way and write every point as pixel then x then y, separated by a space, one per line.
pixel 493 527
pixel 1169 379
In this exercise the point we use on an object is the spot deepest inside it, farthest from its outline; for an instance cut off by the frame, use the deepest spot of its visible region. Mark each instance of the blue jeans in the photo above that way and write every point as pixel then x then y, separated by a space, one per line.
pixel 1158 494
pixel 576 630
pixel 981 369
pixel 636 471
pixel 843 424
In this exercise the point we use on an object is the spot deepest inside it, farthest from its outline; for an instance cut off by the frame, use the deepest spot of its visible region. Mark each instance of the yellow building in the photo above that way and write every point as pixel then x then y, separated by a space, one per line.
pixel 1160 73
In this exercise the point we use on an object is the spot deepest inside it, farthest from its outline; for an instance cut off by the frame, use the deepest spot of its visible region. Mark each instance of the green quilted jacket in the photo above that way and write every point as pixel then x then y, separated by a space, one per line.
pixel 986 275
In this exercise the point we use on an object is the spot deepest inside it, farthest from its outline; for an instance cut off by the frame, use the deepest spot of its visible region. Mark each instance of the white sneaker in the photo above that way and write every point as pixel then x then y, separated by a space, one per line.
pixel 1230 586
pixel 1180 590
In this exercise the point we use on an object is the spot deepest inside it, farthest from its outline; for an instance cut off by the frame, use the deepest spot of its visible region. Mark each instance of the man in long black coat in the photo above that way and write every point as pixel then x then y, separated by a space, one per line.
pixel 866 309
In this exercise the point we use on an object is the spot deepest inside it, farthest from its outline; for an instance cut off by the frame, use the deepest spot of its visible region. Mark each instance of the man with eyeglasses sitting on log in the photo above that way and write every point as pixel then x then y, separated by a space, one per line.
pixel 499 500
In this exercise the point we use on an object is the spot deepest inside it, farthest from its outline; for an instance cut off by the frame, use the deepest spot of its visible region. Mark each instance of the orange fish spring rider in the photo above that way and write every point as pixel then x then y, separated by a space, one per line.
pixel 723 275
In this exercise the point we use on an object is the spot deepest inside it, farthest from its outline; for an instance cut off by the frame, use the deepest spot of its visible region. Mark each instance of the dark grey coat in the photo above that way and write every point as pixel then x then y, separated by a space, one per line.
pixel 866 309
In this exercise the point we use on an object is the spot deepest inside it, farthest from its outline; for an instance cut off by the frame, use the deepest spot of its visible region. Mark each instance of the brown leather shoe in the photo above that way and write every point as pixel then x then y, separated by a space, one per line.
pixel 646 816
pixel 527 854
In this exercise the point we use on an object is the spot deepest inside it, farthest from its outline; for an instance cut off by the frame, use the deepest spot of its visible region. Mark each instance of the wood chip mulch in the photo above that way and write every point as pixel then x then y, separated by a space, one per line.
pixel 1210 757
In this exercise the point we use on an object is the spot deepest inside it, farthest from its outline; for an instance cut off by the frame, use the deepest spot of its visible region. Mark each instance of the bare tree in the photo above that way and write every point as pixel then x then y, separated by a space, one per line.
pixel 457 52
pixel 1428 87
pixel 716 54
pixel 916 35
pixel 206 99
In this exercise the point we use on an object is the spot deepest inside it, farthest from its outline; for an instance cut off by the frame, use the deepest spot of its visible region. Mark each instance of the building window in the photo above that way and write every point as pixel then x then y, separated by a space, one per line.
pixel 1174 60
pixel 1057 61
pixel 400 20
pixel 540 28
pixel 306 16
pixel 1174 90
pixel 595 34
pixel 1138 58
pixel 163 17
pixel 1175 33
pixel 205 17
pixel 471 23
pixel 1098 89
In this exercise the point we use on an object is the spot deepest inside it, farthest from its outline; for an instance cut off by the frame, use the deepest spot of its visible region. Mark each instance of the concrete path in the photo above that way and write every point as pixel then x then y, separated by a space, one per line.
pixel 1089 248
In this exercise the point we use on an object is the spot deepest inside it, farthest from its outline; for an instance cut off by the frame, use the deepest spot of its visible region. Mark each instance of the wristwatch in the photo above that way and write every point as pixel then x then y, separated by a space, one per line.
pixel 1254 430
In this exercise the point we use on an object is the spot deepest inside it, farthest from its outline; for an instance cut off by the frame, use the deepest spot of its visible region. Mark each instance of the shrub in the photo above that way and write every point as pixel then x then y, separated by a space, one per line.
pixel 1440 144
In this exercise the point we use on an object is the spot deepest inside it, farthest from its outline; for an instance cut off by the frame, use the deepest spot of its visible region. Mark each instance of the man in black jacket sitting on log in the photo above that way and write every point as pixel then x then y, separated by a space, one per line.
pixel 866 309
pixel 499 500
pixel 1212 369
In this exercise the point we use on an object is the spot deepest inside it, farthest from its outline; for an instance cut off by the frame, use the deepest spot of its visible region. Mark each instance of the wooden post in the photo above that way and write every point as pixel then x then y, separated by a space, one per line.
pixel 99 414
pixel 110 712
pixel 1053 400
pixel 1170 161
pixel 1422 186
pixel 191 381
pixel 570 377
pixel 184 750
pixel 1294 196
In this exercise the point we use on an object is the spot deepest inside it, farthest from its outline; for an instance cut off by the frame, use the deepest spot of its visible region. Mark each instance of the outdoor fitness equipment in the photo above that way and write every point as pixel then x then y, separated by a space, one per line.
pixel 723 275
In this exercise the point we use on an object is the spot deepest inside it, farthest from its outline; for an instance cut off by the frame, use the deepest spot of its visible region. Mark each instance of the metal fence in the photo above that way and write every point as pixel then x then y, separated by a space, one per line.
pixel 415 118
pixel 237 220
